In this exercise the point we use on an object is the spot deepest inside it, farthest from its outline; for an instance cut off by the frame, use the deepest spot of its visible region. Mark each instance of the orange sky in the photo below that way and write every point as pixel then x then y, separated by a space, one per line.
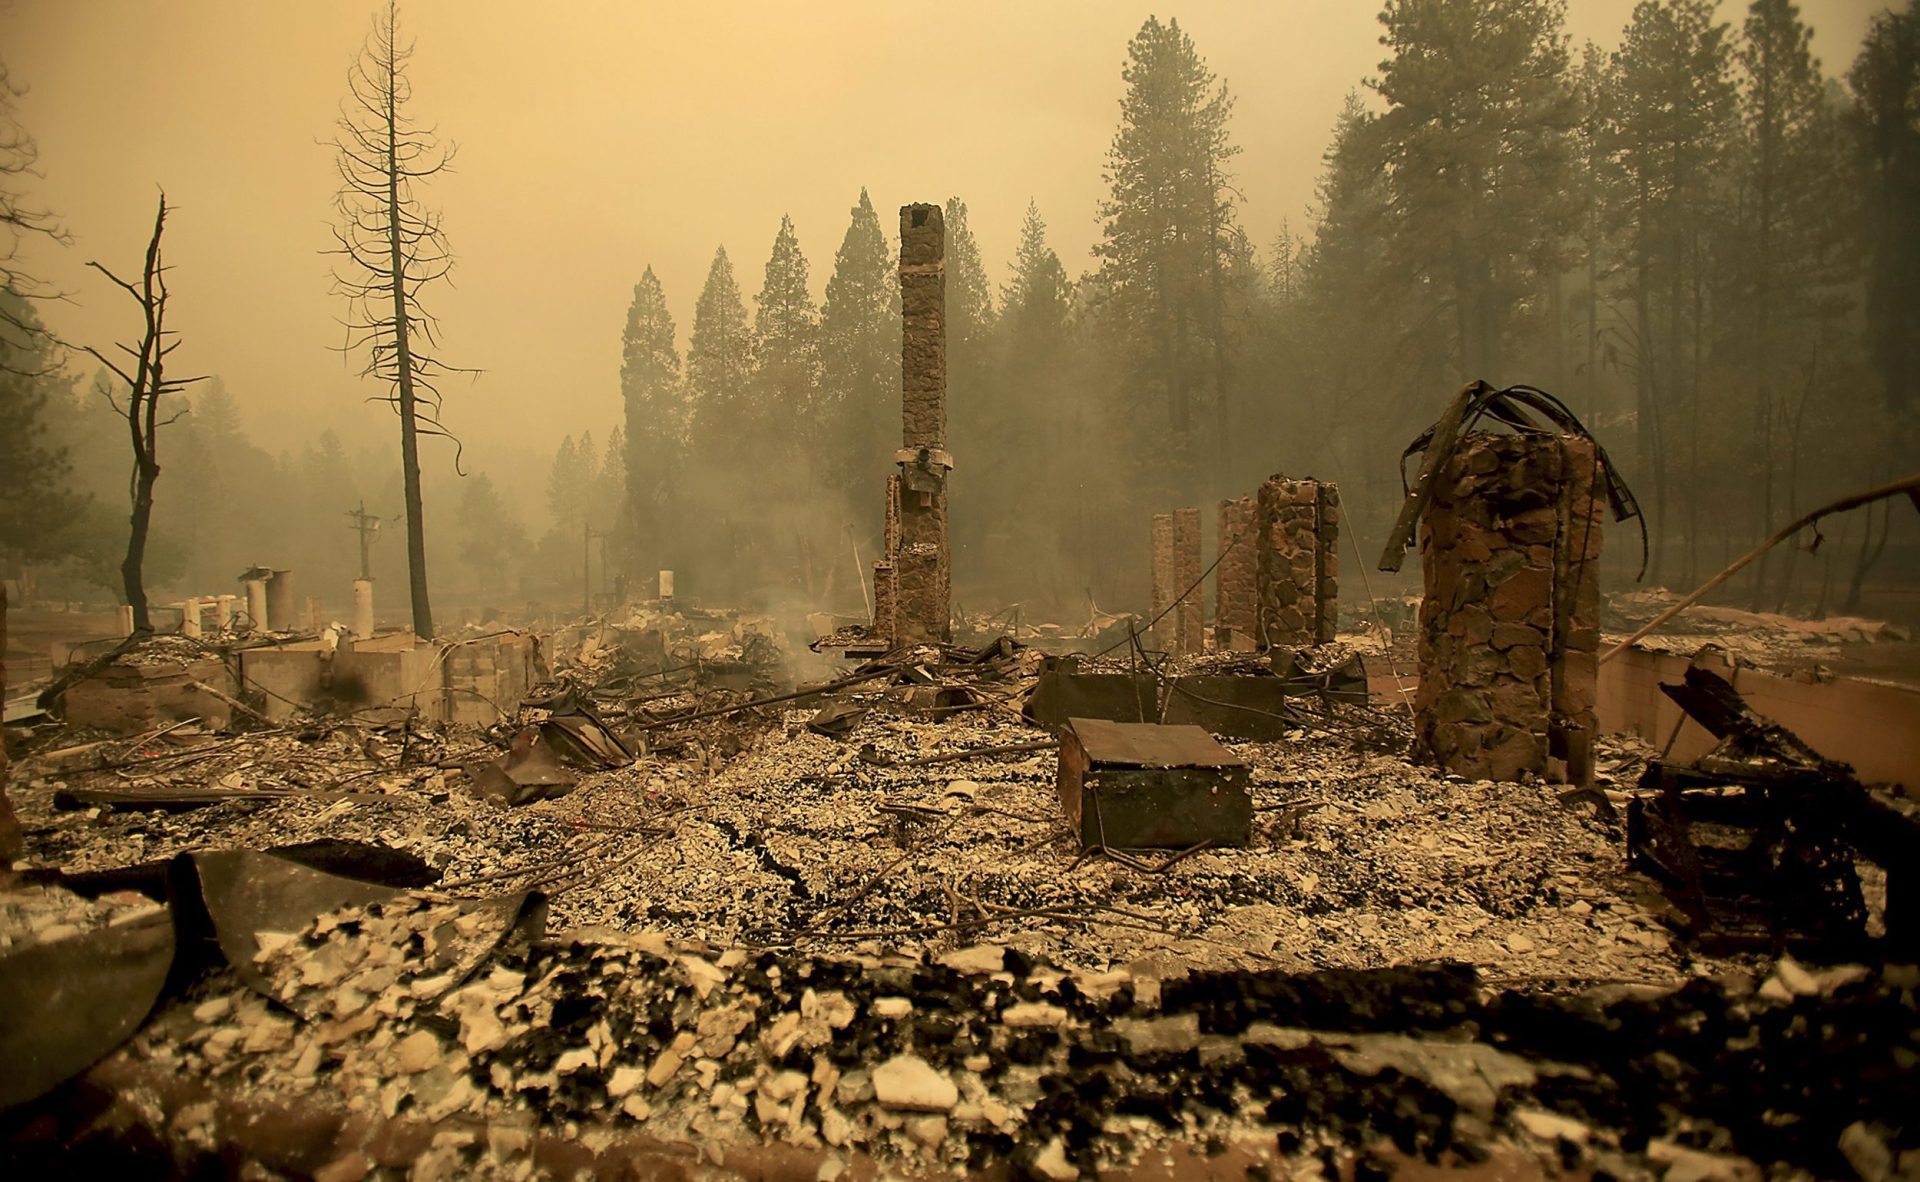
pixel 600 136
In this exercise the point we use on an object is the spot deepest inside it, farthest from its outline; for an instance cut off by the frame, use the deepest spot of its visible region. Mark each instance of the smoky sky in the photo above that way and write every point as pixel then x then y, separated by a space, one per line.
pixel 597 137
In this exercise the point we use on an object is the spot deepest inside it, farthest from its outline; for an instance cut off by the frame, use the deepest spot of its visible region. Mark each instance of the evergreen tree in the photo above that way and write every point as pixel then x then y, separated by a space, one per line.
pixel 719 362
pixel 36 502
pixel 610 481
pixel 721 397
pixel 1885 80
pixel 786 339
pixel 1780 255
pixel 656 422
pixel 490 537
pixel 566 493
pixel 1673 109
pixel 1474 145
pixel 969 304
pixel 1167 230
pixel 860 362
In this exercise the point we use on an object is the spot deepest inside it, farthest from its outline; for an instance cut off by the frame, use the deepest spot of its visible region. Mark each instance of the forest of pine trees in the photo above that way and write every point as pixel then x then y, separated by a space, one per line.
pixel 1701 239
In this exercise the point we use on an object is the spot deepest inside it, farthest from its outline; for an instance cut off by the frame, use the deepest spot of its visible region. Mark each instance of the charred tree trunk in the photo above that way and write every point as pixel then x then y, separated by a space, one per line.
pixel 146 386
pixel 403 365
pixel 393 247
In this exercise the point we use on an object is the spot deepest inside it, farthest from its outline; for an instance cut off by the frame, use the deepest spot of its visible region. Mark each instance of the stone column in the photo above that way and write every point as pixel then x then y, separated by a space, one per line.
pixel 1326 553
pixel 1165 633
pixel 1236 605
pixel 1190 629
pixel 1509 626
pixel 1298 534
pixel 922 563
pixel 190 618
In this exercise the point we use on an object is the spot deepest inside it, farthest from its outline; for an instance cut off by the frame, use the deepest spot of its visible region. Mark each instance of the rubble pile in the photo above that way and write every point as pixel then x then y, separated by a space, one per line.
pixel 452 1065
pixel 798 839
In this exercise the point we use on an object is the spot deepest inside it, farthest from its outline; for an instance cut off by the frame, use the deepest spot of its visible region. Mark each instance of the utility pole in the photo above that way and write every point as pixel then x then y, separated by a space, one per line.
pixel 367 525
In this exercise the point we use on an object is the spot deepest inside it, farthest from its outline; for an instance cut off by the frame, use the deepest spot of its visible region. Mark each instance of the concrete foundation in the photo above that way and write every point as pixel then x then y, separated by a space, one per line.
pixel 1509 626
pixel 130 698
pixel 479 682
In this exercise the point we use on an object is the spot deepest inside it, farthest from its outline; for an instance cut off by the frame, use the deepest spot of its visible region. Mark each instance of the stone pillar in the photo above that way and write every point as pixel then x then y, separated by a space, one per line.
pixel 223 612
pixel 362 609
pixel 190 618
pixel 1176 568
pixel 1165 633
pixel 1236 603
pixel 1509 626
pixel 1298 562
pixel 886 593
pixel 1187 569
pixel 666 584
pixel 922 563
pixel 123 619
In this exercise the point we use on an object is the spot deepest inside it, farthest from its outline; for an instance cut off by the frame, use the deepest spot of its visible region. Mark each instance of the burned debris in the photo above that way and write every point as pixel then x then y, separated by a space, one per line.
pixel 676 887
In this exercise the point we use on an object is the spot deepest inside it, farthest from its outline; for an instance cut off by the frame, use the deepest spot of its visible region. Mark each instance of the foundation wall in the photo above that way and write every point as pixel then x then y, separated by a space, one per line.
pixel 1236 606
pixel 1297 524
pixel 1509 625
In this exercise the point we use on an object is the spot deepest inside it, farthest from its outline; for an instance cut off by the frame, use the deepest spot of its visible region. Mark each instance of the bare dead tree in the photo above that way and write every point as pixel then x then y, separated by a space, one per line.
pixel 20 220
pixel 391 247
pixel 147 384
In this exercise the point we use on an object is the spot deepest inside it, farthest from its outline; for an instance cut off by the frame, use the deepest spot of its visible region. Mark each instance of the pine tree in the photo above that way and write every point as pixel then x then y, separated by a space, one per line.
pixel 1474 145
pixel 1038 298
pixel 1781 254
pixel 654 399
pixel 969 302
pixel 860 361
pixel 719 360
pixel 1885 80
pixel 1673 108
pixel 1166 242
pixel 36 503
pixel 565 493
pixel 786 342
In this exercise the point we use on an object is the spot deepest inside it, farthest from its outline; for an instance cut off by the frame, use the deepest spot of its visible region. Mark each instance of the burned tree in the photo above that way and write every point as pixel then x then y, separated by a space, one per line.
pixel 392 247
pixel 147 384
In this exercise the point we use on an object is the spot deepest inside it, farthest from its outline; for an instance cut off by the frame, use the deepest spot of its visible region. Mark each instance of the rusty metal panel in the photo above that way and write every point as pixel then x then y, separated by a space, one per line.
pixel 1061 694
pixel 1140 786
pixel 1236 706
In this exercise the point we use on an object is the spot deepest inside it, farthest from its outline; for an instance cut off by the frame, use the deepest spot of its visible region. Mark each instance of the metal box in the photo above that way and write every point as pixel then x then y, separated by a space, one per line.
pixel 1135 785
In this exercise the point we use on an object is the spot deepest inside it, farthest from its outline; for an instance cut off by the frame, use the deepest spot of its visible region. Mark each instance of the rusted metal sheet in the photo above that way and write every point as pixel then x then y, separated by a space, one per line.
pixel 1129 785
pixel 1060 694
pixel 1239 707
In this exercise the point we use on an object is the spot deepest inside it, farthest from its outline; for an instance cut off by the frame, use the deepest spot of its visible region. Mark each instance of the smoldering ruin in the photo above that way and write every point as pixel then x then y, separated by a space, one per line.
pixel 1172 759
